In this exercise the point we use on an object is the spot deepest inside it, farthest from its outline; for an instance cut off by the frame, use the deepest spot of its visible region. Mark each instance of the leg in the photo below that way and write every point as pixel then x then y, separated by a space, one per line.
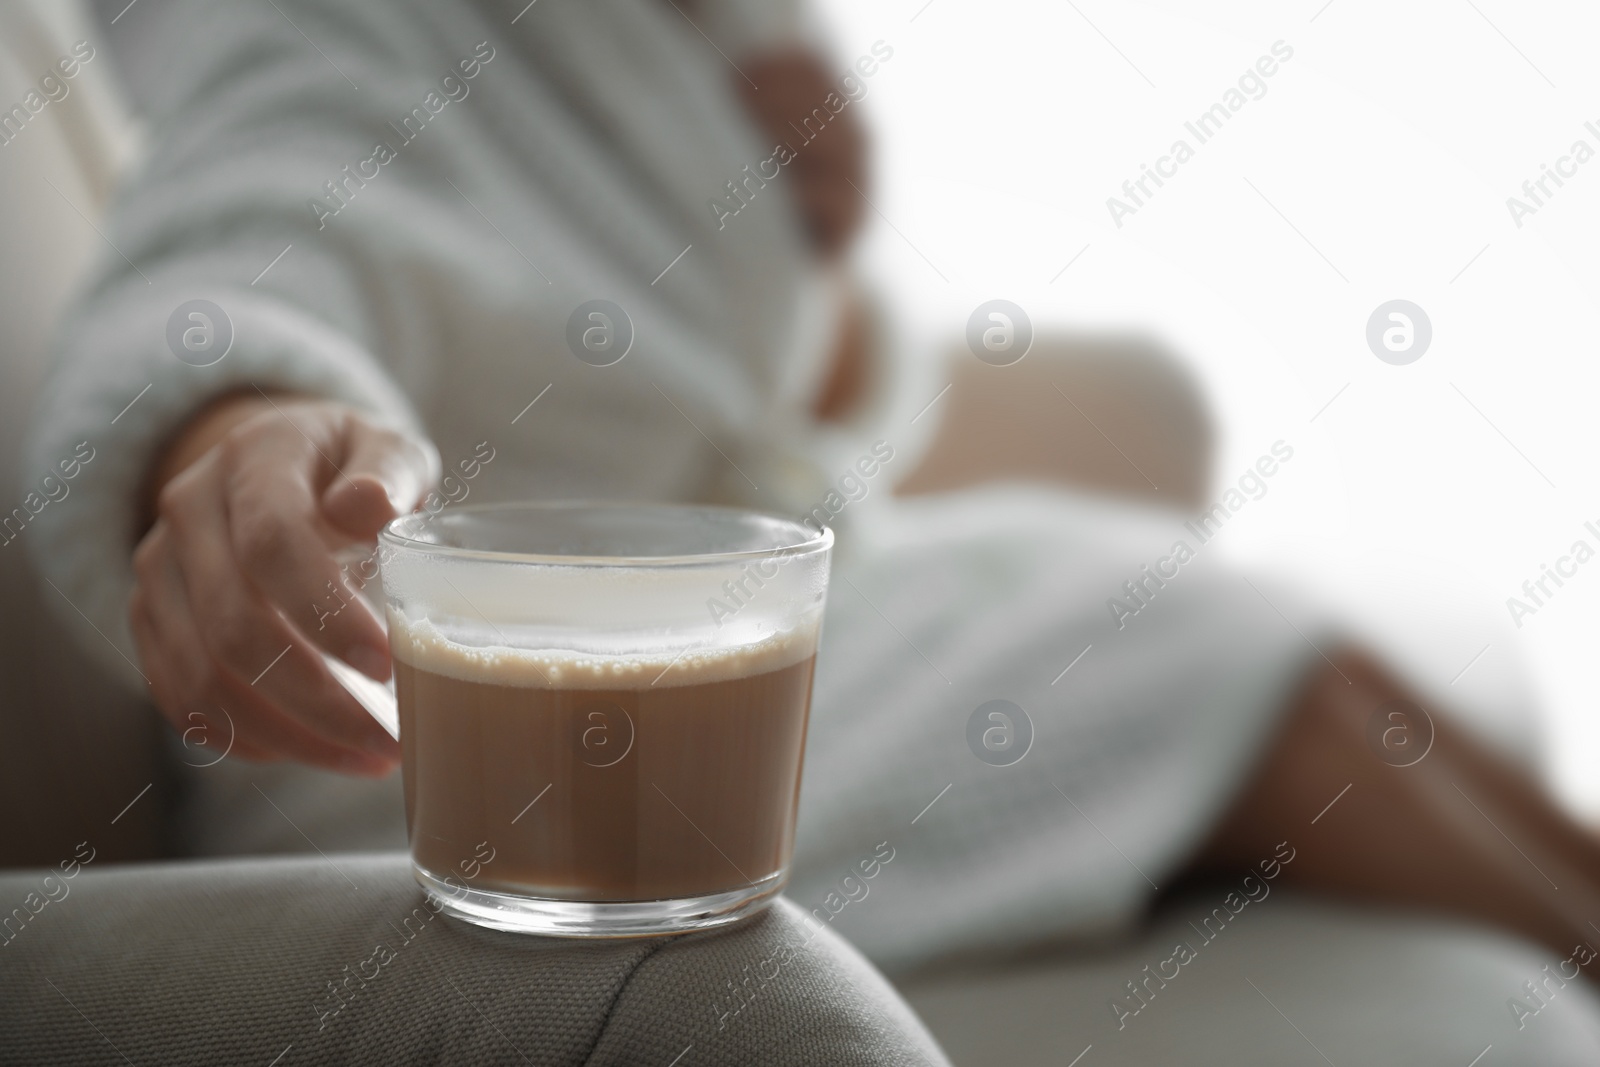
pixel 1459 831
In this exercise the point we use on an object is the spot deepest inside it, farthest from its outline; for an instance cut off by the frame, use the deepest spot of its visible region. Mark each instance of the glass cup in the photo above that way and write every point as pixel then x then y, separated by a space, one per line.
pixel 602 709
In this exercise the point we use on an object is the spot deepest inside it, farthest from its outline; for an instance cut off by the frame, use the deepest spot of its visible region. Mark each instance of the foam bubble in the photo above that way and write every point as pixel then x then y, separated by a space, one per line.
pixel 422 645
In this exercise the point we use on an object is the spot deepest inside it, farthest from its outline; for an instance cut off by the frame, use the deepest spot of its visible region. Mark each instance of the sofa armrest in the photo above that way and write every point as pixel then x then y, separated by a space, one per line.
pixel 342 960
pixel 1108 413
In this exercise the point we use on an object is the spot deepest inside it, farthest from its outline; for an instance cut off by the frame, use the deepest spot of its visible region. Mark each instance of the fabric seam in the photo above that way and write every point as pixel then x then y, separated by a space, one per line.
pixel 605 1023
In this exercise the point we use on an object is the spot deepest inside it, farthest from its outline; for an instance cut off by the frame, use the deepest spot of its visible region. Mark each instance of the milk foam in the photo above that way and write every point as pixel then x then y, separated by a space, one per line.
pixel 422 645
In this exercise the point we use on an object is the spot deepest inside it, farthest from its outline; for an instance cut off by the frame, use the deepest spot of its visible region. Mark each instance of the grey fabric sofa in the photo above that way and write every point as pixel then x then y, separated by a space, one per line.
pixel 340 960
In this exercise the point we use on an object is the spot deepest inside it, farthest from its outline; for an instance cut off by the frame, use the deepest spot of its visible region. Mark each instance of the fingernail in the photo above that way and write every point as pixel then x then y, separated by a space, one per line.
pixel 369 661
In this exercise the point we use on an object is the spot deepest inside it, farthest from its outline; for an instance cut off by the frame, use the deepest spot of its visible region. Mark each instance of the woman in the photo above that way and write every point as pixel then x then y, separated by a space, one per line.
pixel 396 213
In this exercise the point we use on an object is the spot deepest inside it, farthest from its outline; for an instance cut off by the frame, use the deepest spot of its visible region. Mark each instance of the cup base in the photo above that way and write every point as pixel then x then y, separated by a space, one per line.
pixel 570 918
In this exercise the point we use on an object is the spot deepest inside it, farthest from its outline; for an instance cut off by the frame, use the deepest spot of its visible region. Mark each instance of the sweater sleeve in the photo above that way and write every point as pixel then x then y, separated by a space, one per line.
pixel 212 280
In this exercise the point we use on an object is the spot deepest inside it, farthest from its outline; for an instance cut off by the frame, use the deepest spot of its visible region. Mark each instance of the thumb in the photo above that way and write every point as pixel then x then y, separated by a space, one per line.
pixel 384 476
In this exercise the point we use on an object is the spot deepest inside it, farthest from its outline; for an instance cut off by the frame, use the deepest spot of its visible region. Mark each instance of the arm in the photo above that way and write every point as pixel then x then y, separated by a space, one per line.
pixel 541 183
pixel 234 483
pixel 221 193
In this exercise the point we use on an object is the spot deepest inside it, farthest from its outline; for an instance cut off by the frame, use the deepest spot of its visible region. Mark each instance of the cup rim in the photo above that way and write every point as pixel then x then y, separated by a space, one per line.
pixel 816 541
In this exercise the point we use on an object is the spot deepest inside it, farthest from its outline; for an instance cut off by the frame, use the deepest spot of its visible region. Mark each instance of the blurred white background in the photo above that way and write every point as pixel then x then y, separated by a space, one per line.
pixel 1421 496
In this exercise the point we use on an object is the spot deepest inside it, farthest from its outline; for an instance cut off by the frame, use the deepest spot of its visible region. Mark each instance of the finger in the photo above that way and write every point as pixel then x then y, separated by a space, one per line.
pixel 212 737
pixel 275 534
pixel 245 636
pixel 192 683
pixel 196 683
pixel 153 661
pixel 382 475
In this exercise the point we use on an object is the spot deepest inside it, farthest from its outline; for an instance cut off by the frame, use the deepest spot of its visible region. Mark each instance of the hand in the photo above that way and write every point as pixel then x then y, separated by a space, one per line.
pixel 231 581
pixel 792 84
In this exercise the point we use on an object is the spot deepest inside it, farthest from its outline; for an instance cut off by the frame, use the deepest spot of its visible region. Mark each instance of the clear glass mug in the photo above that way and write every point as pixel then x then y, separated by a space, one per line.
pixel 601 708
